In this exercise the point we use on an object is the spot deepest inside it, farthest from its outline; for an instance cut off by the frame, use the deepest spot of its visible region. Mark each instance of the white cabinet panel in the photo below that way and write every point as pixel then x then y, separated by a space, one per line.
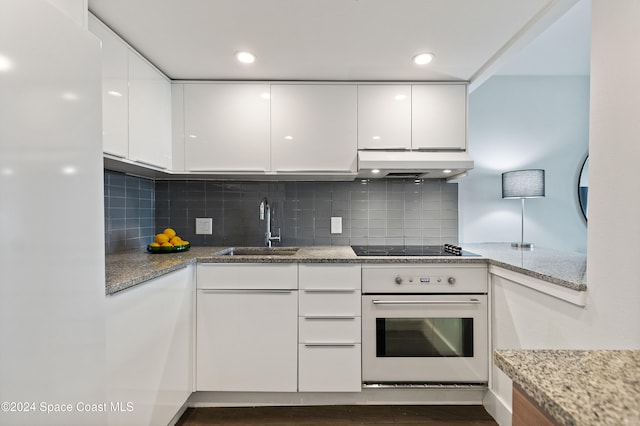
pixel 246 341
pixel 439 116
pixel 330 368
pixel 314 128
pixel 330 303
pixel 384 117
pixel 226 127
pixel 149 114
pixel 323 276
pixel 250 276
pixel 150 349
pixel 115 90
pixel 337 330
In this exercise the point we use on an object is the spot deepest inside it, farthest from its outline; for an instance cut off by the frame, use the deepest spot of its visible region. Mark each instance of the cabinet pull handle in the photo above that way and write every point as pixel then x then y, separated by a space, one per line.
pixel 326 317
pixel 247 291
pixel 426 302
pixel 330 290
pixel 329 345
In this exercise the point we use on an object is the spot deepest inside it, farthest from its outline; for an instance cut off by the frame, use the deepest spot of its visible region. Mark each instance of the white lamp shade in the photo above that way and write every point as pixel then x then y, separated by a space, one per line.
pixel 523 184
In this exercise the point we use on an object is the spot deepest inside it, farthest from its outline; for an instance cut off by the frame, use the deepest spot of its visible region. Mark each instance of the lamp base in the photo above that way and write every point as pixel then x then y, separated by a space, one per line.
pixel 522 245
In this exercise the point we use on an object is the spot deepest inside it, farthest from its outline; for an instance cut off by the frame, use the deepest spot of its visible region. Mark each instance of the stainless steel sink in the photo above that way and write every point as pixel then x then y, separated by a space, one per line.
pixel 258 251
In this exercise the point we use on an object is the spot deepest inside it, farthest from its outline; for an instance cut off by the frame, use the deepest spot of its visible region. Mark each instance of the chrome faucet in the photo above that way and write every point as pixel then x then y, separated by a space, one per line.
pixel 264 207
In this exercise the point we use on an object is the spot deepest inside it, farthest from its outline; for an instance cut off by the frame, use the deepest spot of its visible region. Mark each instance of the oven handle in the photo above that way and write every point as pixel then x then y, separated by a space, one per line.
pixel 427 302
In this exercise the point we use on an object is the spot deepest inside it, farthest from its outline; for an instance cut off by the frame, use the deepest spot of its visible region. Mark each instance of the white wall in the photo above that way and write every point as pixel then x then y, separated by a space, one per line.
pixel 519 123
pixel 614 205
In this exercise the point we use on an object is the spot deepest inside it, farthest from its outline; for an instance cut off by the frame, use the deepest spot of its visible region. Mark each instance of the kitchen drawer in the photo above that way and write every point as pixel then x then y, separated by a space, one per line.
pixel 329 368
pixel 332 276
pixel 329 330
pixel 242 276
pixel 331 302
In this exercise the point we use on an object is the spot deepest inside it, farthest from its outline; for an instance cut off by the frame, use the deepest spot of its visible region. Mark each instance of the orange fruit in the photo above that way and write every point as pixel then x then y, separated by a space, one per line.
pixel 169 233
pixel 175 240
pixel 161 238
pixel 166 244
pixel 154 244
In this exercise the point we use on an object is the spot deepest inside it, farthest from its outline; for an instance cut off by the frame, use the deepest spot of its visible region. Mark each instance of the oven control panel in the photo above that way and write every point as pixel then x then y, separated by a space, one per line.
pixel 430 280
pixel 424 279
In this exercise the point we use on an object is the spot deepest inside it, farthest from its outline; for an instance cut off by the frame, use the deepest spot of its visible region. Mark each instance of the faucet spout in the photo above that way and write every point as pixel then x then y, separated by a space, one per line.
pixel 265 214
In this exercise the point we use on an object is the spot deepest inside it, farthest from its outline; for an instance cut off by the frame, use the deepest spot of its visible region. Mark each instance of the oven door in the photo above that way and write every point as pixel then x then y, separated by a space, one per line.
pixel 424 338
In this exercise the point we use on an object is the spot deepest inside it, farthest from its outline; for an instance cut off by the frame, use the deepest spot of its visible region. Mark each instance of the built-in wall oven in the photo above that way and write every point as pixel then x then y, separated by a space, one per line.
pixel 424 325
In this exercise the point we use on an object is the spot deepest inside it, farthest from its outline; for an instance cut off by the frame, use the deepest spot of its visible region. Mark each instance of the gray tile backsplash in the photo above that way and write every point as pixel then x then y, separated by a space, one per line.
pixel 383 211
pixel 379 212
pixel 129 205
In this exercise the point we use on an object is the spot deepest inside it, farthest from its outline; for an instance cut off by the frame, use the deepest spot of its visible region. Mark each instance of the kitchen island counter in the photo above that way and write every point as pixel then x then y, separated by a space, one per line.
pixel 578 387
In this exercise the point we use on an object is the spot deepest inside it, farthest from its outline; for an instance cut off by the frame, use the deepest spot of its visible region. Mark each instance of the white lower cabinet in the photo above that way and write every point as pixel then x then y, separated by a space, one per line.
pixel 149 350
pixel 246 328
pixel 329 353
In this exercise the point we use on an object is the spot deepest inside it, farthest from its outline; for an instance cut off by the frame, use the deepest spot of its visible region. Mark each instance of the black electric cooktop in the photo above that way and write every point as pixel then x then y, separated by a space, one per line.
pixel 401 250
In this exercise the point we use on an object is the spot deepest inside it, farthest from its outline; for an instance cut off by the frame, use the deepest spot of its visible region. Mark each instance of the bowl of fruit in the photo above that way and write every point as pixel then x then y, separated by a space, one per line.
pixel 168 242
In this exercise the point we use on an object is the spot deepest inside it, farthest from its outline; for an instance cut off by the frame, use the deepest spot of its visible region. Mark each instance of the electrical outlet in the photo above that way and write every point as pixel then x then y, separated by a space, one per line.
pixel 336 225
pixel 204 225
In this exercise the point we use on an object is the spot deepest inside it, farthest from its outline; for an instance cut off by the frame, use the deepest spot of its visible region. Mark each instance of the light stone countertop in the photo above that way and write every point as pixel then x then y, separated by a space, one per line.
pixel 567 269
pixel 132 267
pixel 578 387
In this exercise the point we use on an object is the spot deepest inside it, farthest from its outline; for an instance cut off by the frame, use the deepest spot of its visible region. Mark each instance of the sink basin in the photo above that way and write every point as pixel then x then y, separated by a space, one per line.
pixel 258 251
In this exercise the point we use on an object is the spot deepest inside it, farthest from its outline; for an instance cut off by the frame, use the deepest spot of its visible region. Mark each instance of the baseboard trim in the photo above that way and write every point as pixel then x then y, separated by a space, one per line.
pixel 497 408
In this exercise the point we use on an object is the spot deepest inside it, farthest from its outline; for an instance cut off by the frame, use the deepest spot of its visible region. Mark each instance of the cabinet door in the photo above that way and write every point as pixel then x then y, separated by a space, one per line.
pixel 149 351
pixel 227 127
pixel 330 368
pixel 149 114
pixel 247 340
pixel 439 116
pixel 314 128
pixel 384 117
pixel 115 90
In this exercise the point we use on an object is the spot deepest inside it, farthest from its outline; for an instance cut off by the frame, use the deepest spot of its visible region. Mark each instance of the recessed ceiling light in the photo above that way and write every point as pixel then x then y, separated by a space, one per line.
pixel 447 171
pixel 289 138
pixel 375 171
pixel 423 58
pixel 245 57
pixel 375 138
pixel 114 93
pixel 400 97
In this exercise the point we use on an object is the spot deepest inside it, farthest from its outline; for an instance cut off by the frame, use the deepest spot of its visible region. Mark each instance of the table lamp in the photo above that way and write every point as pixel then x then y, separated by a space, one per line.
pixel 523 184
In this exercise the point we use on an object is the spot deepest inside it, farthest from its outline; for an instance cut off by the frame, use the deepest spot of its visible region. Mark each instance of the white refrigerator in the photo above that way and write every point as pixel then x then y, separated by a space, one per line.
pixel 52 294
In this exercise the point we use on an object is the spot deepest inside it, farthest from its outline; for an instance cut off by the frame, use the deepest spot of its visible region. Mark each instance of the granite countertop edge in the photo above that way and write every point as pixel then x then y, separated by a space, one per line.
pixel 129 268
pixel 578 387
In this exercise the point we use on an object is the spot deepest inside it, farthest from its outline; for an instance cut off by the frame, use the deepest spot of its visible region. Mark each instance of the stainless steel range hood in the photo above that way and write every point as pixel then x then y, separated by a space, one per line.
pixel 413 164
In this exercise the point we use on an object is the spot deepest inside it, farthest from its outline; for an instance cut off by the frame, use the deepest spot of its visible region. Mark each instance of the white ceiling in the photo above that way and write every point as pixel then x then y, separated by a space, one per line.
pixel 562 49
pixel 330 39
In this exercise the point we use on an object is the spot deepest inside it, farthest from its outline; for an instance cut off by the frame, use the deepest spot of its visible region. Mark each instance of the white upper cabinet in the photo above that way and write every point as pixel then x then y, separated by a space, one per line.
pixel 115 90
pixel 439 116
pixel 384 117
pixel 226 127
pixel 314 128
pixel 149 114
pixel 136 103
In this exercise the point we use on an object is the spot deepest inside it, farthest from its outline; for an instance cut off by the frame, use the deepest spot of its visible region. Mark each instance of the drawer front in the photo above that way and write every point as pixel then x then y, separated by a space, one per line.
pixel 332 276
pixel 330 303
pixel 243 276
pixel 329 368
pixel 329 330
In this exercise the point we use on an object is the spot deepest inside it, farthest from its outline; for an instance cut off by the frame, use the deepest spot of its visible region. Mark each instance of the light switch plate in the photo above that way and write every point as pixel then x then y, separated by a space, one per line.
pixel 336 225
pixel 204 225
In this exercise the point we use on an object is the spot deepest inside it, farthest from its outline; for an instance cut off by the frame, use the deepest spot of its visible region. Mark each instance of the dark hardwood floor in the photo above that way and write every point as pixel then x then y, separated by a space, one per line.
pixel 339 415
